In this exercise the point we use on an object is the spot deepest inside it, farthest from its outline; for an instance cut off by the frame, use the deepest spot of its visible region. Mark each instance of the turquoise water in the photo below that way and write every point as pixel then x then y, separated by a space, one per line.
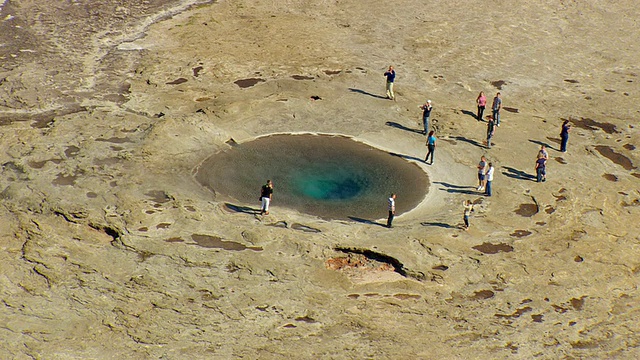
pixel 328 181
pixel 332 177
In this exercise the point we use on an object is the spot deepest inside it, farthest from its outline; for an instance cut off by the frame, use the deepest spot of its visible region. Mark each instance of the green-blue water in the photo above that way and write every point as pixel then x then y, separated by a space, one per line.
pixel 329 176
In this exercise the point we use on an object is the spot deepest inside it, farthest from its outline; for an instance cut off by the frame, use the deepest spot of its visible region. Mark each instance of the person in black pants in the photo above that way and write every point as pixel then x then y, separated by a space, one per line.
pixel 564 135
pixel 392 209
pixel 541 172
pixel 431 145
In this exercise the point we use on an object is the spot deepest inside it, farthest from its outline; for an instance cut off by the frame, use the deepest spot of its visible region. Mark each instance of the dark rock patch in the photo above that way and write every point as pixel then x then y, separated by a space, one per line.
pixel 615 157
pixel 280 224
pixel 174 240
pixel 483 295
pixel 520 233
pixel 440 267
pixel 306 319
pixel 65 180
pixel 407 296
pixel 246 83
pixel 305 228
pixel 516 314
pixel 489 248
pixel 527 210
pixel 158 196
pixel 577 303
pixel 177 81
pixel 498 84
pixel 216 242
pixel 590 124
pixel 302 77
pixel 115 140
pixel 71 151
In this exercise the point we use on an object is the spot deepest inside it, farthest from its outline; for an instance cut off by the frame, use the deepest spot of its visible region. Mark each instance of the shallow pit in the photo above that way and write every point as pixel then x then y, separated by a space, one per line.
pixel 615 157
pixel 333 177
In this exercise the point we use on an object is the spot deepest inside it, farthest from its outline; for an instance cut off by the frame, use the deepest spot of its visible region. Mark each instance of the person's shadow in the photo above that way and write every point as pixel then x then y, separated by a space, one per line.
pixel 367 93
pixel 555 140
pixel 517 174
pixel 438 224
pixel 241 209
pixel 470 113
pixel 543 143
pixel 402 127
pixel 469 141
pixel 457 189
pixel 406 157
pixel 365 221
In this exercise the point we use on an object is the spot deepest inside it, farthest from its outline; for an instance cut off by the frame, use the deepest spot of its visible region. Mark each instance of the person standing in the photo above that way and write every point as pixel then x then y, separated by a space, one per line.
pixel 495 107
pixel 392 209
pixel 431 145
pixel 564 135
pixel 491 130
pixel 489 179
pixel 481 100
pixel 426 114
pixel 391 77
pixel 541 169
pixel 481 169
pixel 266 194
pixel 468 208
pixel 543 152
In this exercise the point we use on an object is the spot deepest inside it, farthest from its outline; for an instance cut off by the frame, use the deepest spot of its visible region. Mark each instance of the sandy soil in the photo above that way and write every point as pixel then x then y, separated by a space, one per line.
pixel 111 249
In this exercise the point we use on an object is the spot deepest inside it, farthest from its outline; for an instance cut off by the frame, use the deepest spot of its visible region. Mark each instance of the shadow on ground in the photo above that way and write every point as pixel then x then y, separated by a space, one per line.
pixel 367 93
pixel 242 209
pixel 470 113
pixel 438 224
pixel 406 157
pixel 517 174
pixel 543 143
pixel 469 141
pixel 457 189
pixel 402 127
pixel 365 221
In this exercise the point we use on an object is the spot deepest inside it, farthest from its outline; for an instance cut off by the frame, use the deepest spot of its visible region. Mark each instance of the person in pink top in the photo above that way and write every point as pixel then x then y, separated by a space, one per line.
pixel 482 103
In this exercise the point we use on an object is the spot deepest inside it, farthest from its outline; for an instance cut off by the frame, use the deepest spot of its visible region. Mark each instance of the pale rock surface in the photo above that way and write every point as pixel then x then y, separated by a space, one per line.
pixel 111 249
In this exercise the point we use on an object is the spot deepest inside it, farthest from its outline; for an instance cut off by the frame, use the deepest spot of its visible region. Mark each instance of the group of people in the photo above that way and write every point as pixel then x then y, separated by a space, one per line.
pixel 485 168
pixel 493 120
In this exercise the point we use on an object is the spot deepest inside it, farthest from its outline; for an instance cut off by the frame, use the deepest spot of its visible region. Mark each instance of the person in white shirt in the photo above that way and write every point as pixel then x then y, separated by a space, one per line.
pixel 392 209
pixel 489 179
pixel 468 208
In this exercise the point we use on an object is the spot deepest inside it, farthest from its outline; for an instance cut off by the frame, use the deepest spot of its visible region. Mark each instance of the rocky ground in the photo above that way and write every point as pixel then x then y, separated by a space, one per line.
pixel 111 249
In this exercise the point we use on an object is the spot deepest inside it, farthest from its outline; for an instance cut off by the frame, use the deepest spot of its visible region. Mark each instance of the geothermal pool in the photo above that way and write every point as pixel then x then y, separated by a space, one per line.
pixel 333 177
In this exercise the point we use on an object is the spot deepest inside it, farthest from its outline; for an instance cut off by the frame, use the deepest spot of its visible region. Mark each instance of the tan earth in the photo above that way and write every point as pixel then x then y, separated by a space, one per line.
pixel 111 249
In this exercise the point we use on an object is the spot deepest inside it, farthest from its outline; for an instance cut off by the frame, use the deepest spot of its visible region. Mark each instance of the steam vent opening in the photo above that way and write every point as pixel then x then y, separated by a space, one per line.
pixel 332 177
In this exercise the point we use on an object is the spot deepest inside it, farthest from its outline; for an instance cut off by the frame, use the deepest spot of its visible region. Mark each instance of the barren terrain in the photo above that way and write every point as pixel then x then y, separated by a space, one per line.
pixel 111 249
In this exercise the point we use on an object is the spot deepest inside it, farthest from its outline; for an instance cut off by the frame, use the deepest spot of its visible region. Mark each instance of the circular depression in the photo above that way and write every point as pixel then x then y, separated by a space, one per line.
pixel 329 176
